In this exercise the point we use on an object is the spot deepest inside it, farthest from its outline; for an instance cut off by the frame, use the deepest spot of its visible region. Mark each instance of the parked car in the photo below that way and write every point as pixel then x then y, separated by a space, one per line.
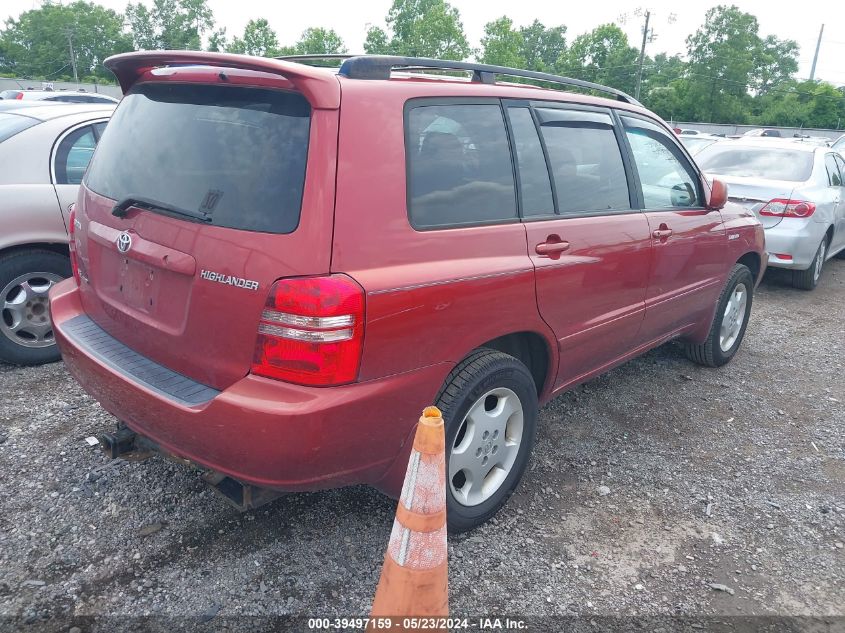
pixel 763 132
pixel 44 151
pixel 695 144
pixel 796 190
pixel 64 96
pixel 272 283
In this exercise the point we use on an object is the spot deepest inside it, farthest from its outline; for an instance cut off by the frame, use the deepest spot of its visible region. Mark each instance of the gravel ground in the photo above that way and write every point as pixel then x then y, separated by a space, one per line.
pixel 659 488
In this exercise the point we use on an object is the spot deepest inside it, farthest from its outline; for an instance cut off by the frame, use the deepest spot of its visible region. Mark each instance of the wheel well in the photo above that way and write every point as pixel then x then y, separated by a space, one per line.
pixel 752 261
pixel 528 347
pixel 61 249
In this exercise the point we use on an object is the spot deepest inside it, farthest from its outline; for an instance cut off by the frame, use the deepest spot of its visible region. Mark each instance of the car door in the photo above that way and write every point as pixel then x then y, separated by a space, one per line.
pixel 839 202
pixel 71 154
pixel 589 246
pixel 688 264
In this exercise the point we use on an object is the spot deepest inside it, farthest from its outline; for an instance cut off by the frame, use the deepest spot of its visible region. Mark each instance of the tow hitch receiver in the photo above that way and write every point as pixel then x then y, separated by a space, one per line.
pixel 119 443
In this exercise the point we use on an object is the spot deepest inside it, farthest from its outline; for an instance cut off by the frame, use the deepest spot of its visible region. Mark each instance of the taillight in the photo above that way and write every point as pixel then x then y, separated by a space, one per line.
pixel 311 331
pixel 19 96
pixel 782 208
pixel 71 230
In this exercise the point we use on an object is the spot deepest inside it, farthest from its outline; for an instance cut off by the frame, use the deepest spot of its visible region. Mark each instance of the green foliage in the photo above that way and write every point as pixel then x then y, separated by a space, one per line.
pixel 37 43
pixel 258 39
pixel 169 24
pixel 542 47
pixel 319 41
pixel 502 44
pixel 604 56
pixel 420 28
pixel 731 73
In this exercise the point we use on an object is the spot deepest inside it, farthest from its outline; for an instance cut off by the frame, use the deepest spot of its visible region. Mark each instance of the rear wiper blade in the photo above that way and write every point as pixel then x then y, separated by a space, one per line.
pixel 119 210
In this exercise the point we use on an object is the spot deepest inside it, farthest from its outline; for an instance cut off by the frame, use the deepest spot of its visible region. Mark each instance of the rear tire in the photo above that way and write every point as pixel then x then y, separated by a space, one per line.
pixel 733 309
pixel 26 335
pixel 489 405
pixel 809 279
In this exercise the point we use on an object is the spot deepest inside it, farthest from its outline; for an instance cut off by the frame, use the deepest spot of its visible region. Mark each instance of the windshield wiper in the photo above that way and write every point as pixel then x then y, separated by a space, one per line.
pixel 119 210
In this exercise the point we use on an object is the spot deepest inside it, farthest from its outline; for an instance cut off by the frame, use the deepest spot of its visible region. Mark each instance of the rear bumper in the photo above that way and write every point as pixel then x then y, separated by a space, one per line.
pixel 798 238
pixel 260 431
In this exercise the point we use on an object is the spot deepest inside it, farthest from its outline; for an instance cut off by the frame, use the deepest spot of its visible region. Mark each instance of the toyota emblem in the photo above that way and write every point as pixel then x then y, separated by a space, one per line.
pixel 124 242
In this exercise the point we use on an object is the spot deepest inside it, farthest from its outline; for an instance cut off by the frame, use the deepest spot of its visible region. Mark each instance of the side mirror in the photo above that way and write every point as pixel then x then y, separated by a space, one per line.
pixel 717 196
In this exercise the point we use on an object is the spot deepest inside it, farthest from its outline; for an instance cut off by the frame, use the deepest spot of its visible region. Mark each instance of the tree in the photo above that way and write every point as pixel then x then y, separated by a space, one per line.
pixel 37 44
pixel 377 42
pixel 319 41
pixel 420 28
pixel 502 45
pixel 218 41
pixel 776 62
pixel 723 56
pixel 169 24
pixel 542 48
pixel 258 39
pixel 604 56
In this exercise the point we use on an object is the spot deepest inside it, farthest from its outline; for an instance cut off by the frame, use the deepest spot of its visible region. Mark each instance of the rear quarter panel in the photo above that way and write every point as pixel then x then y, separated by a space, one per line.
pixel 432 296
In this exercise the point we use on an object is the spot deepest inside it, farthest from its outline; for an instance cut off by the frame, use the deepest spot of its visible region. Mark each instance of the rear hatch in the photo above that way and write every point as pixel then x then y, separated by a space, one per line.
pixel 203 191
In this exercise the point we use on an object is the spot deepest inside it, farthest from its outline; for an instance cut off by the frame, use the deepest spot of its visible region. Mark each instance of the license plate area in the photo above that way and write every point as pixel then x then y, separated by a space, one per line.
pixel 138 285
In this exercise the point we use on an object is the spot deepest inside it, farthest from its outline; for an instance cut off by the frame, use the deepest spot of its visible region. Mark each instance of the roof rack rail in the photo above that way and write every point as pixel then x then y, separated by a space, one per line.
pixel 380 67
pixel 316 57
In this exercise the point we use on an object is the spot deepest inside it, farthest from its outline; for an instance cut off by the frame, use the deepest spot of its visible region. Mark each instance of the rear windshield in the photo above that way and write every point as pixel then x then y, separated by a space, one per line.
pixel 235 154
pixel 770 163
pixel 11 124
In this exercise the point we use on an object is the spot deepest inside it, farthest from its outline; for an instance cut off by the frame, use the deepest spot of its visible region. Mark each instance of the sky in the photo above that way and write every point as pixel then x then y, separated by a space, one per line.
pixel 672 21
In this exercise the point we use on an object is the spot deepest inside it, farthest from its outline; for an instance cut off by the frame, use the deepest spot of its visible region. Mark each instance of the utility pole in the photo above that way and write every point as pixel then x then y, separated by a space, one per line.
pixel 816 56
pixel 73 58
pixel 642 56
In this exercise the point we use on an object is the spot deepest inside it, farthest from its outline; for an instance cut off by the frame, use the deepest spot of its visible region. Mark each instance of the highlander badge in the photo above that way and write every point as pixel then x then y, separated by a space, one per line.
pixel 220 278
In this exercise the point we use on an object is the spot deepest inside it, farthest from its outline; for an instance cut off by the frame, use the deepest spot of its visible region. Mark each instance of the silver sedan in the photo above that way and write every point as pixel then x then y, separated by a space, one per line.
pixel 44 151
pixel 797 191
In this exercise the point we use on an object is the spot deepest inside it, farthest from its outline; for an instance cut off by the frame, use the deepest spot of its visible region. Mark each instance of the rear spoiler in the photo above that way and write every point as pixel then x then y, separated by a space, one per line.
pixel 318 85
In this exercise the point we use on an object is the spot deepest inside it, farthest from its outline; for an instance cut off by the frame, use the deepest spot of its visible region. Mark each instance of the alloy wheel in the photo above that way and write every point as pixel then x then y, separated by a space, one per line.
pixel 486 446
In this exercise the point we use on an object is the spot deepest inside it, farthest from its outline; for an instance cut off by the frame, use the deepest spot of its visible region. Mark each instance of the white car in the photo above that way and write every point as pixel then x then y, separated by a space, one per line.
pixel 44 151
pixel 797 190
pixel 65 96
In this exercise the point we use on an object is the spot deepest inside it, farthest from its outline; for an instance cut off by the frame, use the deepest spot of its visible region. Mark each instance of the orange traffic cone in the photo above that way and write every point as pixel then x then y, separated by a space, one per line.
pixel 414 579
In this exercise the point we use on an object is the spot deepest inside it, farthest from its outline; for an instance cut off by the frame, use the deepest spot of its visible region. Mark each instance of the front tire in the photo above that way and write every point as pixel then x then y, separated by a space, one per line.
pixel 489 405
pixel 733 311
pixel 808 279
pixel 26 332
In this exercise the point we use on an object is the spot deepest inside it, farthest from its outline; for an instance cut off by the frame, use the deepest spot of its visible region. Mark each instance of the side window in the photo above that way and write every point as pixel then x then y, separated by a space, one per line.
pixel 585 161
pixel 73 155
pixel 840 162
pixel 534 181
pixel 667 179
pixel 833 175
pixel 459 166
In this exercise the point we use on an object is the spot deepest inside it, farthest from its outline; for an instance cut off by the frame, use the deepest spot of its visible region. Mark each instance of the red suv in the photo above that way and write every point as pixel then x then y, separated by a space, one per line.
pixel 277 266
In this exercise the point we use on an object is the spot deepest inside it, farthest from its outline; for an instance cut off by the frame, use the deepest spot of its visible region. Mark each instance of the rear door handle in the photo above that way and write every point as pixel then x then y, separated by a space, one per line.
pixel 661 233
pixel 552 247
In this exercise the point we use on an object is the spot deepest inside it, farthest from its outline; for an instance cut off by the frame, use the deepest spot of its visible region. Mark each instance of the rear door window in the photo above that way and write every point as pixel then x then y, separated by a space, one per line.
pixel 459 166
pixel 534 184
pixel 235 154
pixel 585 160
pixel 667 179
pixel 73 155
pixel 833 175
